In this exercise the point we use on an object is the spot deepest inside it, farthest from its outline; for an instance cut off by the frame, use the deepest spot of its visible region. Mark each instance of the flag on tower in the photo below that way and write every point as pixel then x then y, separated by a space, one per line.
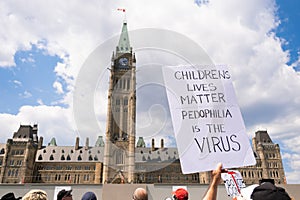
pixel 121 9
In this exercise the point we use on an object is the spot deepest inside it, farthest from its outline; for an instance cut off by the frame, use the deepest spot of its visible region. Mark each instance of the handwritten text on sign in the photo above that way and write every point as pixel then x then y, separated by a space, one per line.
pixel 207 121
pixel 233 181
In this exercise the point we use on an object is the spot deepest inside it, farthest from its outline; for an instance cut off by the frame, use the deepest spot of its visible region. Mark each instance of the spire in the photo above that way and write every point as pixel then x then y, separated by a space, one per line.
pixel 124 44
pixel 99 142
pixel 52 142
pixel 141 142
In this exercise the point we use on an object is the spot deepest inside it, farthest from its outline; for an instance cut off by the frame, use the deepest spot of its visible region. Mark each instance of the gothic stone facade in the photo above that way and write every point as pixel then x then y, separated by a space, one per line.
pixel 23 159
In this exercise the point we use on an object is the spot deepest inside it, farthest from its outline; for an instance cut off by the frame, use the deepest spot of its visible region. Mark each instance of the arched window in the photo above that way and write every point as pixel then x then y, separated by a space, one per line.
pixel 51 157
pixel 62 157
pixel 40 157
pixel 79 157
pixel 68 157
pixel 119 157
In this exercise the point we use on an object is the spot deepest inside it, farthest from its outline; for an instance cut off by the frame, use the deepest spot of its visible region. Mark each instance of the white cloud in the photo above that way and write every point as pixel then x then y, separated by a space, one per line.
pixel 17 83
pixel 25 94
pixel 58 87
pixel 40 101
pixel 237 33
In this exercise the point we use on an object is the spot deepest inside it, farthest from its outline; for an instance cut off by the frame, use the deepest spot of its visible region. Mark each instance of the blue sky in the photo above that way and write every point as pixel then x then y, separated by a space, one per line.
pixel 289 14
pixel 30 82
pixel 45 48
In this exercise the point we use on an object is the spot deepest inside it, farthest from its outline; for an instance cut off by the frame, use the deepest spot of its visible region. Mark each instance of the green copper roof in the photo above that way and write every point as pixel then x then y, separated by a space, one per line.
pixel 141 142
pixel 99 142
pixel 52 142
pixel 124 44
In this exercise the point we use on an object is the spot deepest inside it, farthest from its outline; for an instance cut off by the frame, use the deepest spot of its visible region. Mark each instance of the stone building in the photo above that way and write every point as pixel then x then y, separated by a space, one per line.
pixel 23 159
pixel 120 159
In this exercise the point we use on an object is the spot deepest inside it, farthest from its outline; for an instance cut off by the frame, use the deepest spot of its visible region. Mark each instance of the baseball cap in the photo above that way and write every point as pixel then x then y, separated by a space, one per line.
pixel 181 194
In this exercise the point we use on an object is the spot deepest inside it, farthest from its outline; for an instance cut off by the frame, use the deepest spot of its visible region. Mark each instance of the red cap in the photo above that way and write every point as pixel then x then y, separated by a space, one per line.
pixel 181 194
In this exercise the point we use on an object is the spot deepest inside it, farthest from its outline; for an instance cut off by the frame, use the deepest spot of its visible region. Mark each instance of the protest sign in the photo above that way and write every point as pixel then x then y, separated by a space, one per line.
pixel 206 118
pixel 233 182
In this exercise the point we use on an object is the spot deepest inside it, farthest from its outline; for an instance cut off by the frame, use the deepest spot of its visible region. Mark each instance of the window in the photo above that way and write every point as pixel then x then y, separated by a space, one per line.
pixel 128 84
pixel 40 157
pixel 2 151
pixel 19 162
pixel 126 101
pixel 119 157
pixel 51 157
pixel 11 163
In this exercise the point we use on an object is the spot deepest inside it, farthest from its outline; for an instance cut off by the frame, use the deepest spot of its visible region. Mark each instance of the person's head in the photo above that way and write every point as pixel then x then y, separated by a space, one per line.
pixel 35 195
pixel 89 196
pixel 265 191
pixel 268 191
pixel 64 195
pixel 140 194
pixel 181 194
pixel 10 196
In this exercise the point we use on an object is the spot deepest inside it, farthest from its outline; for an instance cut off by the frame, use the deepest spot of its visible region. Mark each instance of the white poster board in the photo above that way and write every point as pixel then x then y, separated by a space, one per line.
pixel 207 121
pixel 233 182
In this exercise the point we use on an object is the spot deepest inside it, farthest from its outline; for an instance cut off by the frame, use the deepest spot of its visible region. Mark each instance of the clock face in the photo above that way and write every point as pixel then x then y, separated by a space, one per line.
pixel 123 62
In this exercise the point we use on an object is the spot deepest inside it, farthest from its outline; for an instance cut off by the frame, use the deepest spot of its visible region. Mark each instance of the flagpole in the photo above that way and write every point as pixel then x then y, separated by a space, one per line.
pixel 124 11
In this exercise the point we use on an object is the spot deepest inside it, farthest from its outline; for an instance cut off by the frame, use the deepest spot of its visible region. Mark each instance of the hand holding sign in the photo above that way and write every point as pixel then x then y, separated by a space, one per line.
pixel 207 121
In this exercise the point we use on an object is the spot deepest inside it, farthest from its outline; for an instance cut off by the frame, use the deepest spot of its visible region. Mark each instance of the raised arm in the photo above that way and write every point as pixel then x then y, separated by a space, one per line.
pixel 211 193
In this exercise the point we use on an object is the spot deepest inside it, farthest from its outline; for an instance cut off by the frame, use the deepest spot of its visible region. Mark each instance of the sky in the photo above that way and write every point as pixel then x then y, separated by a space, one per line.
pixel 52 50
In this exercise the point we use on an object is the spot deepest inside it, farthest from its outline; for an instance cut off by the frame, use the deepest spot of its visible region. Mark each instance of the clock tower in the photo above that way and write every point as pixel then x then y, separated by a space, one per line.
pixel 119 159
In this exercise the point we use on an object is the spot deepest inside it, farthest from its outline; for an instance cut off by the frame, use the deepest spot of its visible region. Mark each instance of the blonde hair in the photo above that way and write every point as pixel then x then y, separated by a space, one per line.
pixel 35 195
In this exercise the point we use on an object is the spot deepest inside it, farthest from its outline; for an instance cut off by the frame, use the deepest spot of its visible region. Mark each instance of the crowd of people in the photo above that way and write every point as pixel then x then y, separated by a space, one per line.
pixel 42 195
pixel 265 191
